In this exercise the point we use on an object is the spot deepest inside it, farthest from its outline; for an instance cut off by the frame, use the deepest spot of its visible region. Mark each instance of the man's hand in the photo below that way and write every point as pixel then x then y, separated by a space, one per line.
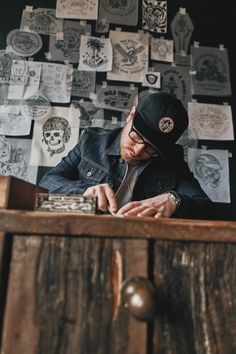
pixel 106 197
pixel 160 206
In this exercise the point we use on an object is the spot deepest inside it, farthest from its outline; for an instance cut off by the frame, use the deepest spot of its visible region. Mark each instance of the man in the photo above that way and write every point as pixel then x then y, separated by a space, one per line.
pixel 137 170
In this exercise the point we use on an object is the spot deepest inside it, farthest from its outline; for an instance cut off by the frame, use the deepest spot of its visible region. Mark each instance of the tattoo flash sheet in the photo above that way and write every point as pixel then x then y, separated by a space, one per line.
pixel 211 67
pixel 24 43
pixel 56 82
pixel 210 121
pixel 211 169
pixel 130 56
pixel 154 16
pixel 182 29
pixel 68 47
pixel 175 80
pixel 41 20
pixel 81 9
pixel 152 79
pixel 87 113
pixel 54 137
pixel 14 124
pixel 123 12
pixel 162 50
pixel 95 54
pixel 83 83
pixel 117 98
pixel 14 159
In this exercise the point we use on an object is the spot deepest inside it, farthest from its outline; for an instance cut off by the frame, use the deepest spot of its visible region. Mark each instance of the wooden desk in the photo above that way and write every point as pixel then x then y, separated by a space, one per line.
pixel 65 276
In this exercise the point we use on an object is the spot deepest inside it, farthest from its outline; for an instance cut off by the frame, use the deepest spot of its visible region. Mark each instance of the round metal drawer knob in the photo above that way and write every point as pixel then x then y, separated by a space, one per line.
pixel 139 295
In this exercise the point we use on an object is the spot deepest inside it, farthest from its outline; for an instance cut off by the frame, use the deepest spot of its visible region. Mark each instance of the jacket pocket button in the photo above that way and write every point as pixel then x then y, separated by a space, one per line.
pixel 89 173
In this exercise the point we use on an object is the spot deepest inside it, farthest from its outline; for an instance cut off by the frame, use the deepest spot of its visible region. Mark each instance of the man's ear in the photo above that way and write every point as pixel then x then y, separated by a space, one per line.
pixel 131 114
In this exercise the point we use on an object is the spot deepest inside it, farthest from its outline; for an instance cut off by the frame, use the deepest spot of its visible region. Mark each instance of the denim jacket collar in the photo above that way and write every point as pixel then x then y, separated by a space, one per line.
pixel 114 148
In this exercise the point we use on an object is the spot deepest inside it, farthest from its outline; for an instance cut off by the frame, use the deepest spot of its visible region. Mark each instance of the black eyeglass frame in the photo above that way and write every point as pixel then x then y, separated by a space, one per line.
pixel 142 141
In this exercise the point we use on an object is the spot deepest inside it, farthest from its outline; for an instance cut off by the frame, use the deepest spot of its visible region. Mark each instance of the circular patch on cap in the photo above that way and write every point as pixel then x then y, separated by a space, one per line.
pixel 166 125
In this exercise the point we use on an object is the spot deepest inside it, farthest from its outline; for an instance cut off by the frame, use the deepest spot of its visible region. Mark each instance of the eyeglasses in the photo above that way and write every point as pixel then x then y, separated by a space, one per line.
pixel 138 139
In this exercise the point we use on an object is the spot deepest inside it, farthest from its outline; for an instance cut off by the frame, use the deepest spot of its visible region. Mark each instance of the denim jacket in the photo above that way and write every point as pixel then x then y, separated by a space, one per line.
pixel 96 159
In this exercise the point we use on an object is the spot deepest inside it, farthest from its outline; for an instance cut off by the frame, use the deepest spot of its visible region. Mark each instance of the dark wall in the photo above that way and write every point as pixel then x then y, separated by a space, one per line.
pixel 212 22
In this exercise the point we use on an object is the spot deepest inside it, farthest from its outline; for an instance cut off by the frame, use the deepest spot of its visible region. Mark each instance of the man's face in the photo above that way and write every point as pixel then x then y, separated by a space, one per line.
pixel 129 150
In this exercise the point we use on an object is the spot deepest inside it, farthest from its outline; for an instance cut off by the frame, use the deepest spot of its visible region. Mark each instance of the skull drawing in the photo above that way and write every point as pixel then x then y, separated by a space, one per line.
pixel 56 133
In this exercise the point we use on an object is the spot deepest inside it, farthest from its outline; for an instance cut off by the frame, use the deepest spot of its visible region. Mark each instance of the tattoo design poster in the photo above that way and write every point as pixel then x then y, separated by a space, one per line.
pixel 68 48
pixel 130 56
pixel 162 50
pixel 14 159
pixel 211 169
pixel 175 80
pixel 40 20
pixel 56 82
pixel 24 43
pixel 181 29
pixel 80 9
pixel 54 137
pixel 152 79
pixel 210 121
pixel 121 12
pixel 102 26
pixel 14 124
pixel 95 54
pixel 154 16
pixel 212 76
pixel 87 113
pixel 83 83
pixel 117 98
pixel 35 107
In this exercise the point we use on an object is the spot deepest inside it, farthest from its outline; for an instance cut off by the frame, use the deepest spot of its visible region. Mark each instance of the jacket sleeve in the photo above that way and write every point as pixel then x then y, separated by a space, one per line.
pixel 64 177
pixel 195 204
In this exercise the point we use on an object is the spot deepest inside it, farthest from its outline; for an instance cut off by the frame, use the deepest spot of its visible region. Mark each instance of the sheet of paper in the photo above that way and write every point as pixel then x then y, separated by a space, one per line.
pixel 162 50
pixel 54 137
pixel 84 83
pixel 87 10
pixel 14 124
pixel 181 29
pixel 119 12
pixel 154 16
pixel 210 121
pixel 87 113
pixel 14 159
pixel 211 169
pixel 68 47
pixel 95 54
pixel 130 56
pixel 56 82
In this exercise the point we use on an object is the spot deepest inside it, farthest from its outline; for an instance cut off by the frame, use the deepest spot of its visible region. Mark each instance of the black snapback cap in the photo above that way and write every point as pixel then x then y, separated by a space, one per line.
pixel 161 119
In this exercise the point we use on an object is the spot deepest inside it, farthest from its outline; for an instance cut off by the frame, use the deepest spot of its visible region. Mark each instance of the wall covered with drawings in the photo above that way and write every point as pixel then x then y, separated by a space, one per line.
pixel 66 65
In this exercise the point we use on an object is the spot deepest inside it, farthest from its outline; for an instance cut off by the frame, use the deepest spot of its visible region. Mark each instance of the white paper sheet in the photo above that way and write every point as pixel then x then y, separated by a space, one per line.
pixel 211 169
pixel 86 9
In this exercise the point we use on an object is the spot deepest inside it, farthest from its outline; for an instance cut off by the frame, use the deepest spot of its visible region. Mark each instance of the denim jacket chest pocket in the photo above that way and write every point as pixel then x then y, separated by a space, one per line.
pixel 90 171
pixel 160 184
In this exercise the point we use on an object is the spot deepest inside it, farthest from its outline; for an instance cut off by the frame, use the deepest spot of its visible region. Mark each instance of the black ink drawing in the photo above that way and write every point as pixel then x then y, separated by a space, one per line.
pixel 41 20
pixel 24 43
pixel 181 28
pixel 12 161
pixel 10 73
pixel 130 54
pixel 207 168
pixel 155 16
pixel 95 57
pixel 56 133
pixel 83 83
pixel 211 69
pixel 87 113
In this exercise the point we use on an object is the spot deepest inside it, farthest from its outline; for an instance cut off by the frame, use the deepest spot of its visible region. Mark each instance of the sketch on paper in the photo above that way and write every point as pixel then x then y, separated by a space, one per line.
pixel 212 76
pixel 56 82
pixel 97 54
pixel 68 47
pixel 41 20
pixel 24 43
pixel 80 9
pixel 14 124
pixel 181 29
pixel 121 12
pixel 162 49
pixel 130 56
pixel 87 112
pixel 83 83
pixel 154 17
pixel 102 26
pixel 14 159
pixel 211 169
pixel 54 137
pixel 152 79
pixel 118 98
pixel 210 121
pixel 10 73
pixel 35 107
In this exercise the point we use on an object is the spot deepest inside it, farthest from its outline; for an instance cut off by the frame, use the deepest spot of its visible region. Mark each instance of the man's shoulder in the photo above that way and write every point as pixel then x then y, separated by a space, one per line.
pixel 100 131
